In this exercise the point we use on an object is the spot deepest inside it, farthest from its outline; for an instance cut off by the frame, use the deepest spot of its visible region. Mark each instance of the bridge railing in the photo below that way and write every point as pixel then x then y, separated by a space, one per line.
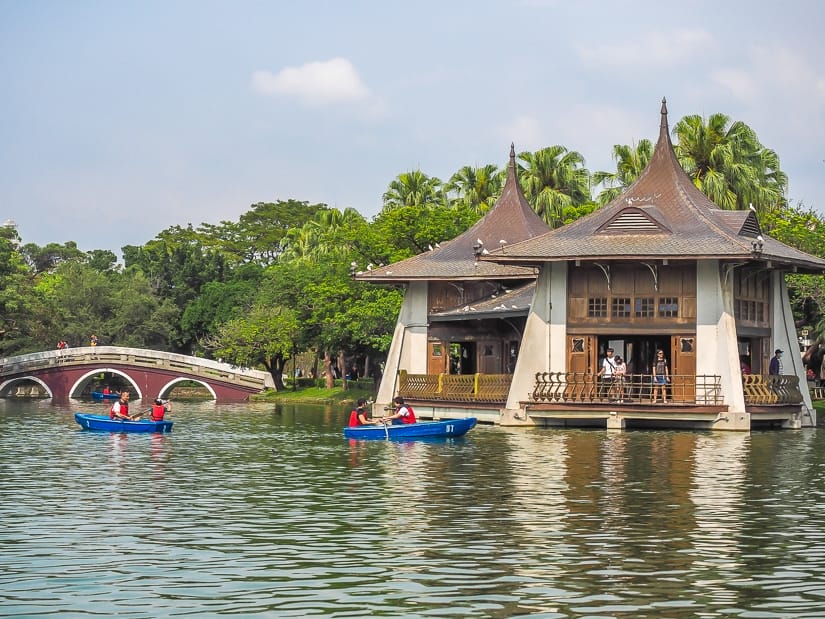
pixel 135 357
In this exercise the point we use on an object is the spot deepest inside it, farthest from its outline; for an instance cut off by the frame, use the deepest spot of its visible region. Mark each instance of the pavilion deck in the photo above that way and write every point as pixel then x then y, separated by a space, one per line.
pixel 582 396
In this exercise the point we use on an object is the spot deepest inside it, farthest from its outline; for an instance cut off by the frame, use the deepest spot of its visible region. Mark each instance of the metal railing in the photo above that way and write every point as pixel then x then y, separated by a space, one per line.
pixel 582 387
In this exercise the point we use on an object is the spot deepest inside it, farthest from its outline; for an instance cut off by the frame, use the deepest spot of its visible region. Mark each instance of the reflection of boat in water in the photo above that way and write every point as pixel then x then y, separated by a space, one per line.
pixel 423 429
pixel 103 423
pixel 99 395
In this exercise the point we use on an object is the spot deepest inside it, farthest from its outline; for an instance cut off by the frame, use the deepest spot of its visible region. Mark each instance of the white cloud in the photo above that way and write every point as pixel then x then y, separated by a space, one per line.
pixel 654 49
pixel 316 83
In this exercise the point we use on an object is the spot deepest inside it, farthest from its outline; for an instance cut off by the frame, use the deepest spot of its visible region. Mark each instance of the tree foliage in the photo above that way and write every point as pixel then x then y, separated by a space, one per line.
pixel 279 279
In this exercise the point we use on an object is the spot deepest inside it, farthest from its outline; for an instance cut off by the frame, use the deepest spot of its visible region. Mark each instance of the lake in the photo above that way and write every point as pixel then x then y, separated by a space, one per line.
pixel 261 510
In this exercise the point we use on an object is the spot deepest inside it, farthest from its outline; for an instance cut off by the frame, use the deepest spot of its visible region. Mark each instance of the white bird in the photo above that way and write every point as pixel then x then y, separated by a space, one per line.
pixel 502 242
pixel 353 264
pixel 438 245
pixel 480 242
pixel 369 267
pixel 750 206
pixel 430 246
pixel 759 238
pixel 484 252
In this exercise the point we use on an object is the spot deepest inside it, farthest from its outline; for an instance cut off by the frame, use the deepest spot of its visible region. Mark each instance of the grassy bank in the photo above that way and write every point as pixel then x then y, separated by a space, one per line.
pixel 314 395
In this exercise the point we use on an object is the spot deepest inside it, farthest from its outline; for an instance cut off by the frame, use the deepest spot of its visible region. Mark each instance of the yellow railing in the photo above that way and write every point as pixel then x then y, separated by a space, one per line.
pixel 490 388
pixel 783 389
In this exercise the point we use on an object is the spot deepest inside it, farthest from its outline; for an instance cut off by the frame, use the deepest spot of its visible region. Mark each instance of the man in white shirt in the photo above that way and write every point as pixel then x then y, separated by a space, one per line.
pixel 606 374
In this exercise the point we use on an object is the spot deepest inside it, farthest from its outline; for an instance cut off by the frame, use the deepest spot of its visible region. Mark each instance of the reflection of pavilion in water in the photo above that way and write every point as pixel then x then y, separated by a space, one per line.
pixel 579 494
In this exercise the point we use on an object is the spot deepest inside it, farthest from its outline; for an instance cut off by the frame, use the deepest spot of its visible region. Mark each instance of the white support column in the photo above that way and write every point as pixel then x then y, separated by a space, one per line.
pixel 717 352
pixel 542 345
pixel 784 337
pixel 408 350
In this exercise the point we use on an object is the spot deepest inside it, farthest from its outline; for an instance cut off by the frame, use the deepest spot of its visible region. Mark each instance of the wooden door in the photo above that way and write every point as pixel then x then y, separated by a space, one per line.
pixel 683 367
pixel 582 360
pixel 437 359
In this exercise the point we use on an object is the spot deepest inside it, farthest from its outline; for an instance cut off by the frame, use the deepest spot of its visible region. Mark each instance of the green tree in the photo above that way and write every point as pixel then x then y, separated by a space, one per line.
pixel 554 178
pixel 729 164
pixel 476 188
pixel 44 259
pixel 414 188
pixel 630 162
pixel 19 300
pixel 258 235
pixel 804 229
pixel 265 336
pixel 219 302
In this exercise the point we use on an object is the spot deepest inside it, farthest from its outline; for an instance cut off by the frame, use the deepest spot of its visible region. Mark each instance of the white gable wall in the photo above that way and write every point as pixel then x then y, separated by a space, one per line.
pixel 408 350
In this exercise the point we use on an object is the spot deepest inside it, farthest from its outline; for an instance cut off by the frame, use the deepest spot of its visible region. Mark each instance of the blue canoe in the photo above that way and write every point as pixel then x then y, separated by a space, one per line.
pixel 422 429
pixel 102 422
pixel 99 395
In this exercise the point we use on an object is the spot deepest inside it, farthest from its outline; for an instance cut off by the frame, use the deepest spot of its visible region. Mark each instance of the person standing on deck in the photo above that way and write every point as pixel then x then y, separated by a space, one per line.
pixel 661 376
pixel 606 374
pixel 775 368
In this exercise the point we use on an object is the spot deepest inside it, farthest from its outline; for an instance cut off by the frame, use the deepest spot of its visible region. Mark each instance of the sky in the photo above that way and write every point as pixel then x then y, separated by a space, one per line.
pixel 119 120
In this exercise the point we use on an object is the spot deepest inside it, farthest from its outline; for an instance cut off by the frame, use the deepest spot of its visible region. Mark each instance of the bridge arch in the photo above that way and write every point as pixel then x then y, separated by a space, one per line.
pixel 63 374
pixel 168 386
pixel 77 388
pixel 7 385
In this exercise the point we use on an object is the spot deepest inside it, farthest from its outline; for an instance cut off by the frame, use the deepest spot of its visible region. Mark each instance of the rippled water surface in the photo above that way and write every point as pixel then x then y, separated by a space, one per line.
pixel 264 511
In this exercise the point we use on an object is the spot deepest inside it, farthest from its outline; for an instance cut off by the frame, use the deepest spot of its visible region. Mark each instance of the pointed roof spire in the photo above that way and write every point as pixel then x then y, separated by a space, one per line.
pixel 663 128
pixel 511 220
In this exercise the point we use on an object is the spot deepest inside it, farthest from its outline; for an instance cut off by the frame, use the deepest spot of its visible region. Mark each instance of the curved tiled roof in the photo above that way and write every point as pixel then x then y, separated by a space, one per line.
pixel 661 215
pixel 510 220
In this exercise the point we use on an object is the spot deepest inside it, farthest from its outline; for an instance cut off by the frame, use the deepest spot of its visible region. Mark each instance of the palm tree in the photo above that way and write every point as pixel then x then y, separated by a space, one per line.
pixel 553 179
pixel 630 162
pixel 414 188
pixel 476 188
pixel 322 236
pixel 729 164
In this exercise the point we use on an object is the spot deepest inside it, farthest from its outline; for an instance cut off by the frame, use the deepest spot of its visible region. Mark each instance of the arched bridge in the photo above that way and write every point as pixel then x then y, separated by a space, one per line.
pixel 67 373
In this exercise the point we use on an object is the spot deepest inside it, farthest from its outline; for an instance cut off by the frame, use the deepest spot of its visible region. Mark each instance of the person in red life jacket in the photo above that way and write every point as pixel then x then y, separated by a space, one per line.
pixel 359 415
pixel 159 409
pixel 403 412
pixel 120 409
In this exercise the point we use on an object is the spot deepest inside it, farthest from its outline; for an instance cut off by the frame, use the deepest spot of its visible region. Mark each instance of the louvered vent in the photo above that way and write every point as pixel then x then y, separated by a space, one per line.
pixel 751 227
pixel 631 221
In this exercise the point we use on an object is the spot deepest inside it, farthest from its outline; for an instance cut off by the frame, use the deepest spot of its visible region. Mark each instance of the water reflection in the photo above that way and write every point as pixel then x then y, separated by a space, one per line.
pixel 261 511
